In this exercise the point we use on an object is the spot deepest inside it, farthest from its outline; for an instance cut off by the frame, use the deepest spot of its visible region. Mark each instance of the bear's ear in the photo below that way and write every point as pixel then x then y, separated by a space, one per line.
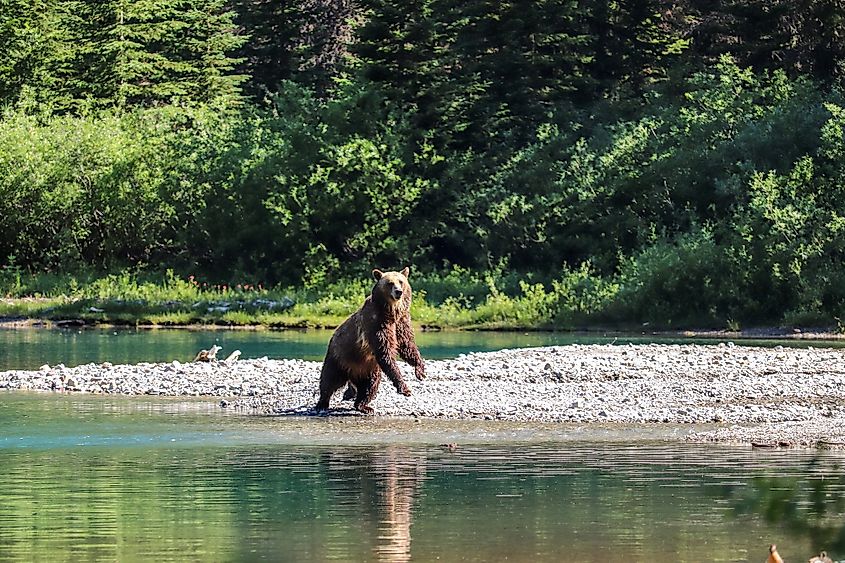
pixel 377 274
pixel 406 271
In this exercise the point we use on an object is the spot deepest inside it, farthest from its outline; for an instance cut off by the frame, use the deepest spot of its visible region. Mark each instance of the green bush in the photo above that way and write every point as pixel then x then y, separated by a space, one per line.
pixel 686 280
pixel 582 297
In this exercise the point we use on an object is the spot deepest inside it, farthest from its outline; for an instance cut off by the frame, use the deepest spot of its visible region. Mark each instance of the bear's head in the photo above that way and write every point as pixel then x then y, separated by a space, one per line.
pixel 392 289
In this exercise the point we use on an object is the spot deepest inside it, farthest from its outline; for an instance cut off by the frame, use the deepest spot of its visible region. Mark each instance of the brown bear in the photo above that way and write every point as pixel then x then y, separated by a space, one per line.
pixel 367 343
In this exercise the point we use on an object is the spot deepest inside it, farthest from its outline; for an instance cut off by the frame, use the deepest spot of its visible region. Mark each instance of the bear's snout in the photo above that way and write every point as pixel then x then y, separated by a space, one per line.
pixel 396 292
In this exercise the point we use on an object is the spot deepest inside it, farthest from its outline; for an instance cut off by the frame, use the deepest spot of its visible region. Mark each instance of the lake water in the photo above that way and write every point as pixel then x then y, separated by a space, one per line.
pixel 116 479
pixel 154 479
pixel 32 348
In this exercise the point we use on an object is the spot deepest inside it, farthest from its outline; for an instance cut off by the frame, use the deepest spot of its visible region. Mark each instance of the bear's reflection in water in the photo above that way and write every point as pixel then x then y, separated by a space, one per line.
pixel 383 485
pixel 401 479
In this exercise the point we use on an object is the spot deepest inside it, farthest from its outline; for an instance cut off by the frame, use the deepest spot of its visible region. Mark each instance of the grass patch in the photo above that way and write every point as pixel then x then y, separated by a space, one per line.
pixel 576 299
pixel 133 299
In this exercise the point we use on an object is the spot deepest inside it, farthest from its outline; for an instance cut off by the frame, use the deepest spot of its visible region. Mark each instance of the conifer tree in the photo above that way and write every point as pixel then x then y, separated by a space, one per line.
pixel 633 44
pixel 393 50
pixel 45 52
pixel 25 27
pixel 270 55
pixel 300 40
pixel 158 51
pixel 801 37
pixel 71 54
pixel 509 65
pixel 750 31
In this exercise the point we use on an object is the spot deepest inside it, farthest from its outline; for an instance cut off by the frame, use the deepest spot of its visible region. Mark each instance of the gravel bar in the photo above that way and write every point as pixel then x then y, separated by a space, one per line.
pixel 769 397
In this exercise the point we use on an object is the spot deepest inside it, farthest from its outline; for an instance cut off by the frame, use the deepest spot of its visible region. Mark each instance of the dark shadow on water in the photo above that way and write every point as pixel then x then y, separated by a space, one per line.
pixel 310 412
pixel 808 505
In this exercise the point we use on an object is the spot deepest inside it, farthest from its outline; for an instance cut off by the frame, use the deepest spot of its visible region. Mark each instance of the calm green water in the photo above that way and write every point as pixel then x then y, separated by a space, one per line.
pixel 96 478
pixel 32 348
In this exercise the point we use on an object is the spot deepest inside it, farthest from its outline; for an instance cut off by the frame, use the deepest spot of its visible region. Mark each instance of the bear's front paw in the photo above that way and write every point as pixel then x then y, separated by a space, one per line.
pixel 364 409
pixel 419 371
pixel 404 390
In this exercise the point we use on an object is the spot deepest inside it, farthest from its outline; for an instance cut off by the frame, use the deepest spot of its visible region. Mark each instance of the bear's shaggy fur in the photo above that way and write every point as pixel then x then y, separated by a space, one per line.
pixel 367 343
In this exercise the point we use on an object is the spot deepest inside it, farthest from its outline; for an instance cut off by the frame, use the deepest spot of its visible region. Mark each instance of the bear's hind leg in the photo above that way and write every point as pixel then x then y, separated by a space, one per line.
pixel 367 390
pixel 332 378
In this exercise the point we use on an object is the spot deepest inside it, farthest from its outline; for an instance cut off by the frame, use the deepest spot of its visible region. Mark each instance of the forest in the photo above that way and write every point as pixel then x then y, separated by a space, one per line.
pixel 631 161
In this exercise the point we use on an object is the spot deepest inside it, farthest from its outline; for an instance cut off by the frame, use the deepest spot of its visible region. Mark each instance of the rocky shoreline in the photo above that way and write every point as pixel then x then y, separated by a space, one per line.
pixel 769 397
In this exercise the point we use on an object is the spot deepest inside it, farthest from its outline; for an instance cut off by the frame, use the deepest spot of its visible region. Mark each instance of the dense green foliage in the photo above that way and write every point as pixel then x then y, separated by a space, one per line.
pixel 624 161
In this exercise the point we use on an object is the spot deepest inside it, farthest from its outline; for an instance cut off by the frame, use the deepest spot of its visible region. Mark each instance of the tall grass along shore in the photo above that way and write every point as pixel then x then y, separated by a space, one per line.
pixel 457 300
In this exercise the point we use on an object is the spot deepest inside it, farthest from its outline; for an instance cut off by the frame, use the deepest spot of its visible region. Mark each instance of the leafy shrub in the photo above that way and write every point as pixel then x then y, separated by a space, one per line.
pixel 580 297
pixel 674 282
